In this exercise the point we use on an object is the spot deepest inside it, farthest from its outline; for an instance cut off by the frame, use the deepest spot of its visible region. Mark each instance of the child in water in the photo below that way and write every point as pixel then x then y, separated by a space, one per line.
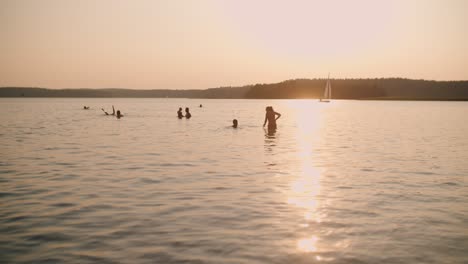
pixel 270 116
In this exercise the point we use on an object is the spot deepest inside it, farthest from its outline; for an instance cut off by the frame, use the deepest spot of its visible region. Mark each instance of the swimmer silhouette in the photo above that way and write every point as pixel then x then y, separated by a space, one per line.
pixel 187 113
pixel 179 113
pixel 270 117
pixel 85 107
pixel 234 123
pixel 113 111
pixel 119 115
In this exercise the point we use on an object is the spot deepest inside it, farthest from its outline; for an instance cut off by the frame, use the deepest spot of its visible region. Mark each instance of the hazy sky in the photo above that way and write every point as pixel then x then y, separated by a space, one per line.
pixel 151 44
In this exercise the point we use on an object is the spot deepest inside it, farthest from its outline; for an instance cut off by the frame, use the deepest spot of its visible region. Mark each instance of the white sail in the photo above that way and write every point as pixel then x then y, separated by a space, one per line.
pixel 327 92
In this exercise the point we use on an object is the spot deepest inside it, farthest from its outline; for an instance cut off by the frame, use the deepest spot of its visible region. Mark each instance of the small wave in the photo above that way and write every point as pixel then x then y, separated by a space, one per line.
pixel 63 204
pixel 221 188
pixel 17 218
pixel 344 187
pixel 7 171
pixel 161 257
pixel 134 168
pixel 148 180
pixel 51 148
pixel 412 172
pixel 450 183
pixel 92 259
pixel 177 165
pixel 5 194
pixel 65 177
pixel 48 237
pixel 423 172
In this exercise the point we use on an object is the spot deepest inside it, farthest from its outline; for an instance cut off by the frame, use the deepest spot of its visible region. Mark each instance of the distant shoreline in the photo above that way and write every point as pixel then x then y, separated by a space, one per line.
pixel 361 99
pixel 383 89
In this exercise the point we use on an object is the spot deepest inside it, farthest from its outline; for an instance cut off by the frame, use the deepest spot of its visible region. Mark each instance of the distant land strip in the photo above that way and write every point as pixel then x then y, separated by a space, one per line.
pixel 358 89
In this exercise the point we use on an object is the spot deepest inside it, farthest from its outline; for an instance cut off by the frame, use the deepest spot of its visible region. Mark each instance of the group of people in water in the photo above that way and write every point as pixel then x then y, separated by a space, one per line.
pixel 270 116
pixel 187 113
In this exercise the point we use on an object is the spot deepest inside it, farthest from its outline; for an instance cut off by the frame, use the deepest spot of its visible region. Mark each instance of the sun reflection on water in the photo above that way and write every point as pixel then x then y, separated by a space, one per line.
pixel 304 192
pixel 307 244
pixel 305 187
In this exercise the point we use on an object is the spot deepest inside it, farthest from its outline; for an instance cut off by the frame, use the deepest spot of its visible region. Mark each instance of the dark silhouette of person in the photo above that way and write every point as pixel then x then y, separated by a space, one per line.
pixel 201 105
pixel 187 113
pixel 270 116
pixel 179 113
pixel 113 111
pixel 85 107
pixel 270 132
pixel 119 115
pixel 234 123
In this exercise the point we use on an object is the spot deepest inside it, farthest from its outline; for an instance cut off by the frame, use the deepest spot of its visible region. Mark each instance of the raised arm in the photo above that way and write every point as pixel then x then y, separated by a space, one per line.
pixel 113 110
pixel 278 114
pixel 104 111
pixel 264 123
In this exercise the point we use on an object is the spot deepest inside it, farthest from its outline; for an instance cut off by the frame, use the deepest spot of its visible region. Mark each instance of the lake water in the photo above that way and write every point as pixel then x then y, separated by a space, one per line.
pixel 343 182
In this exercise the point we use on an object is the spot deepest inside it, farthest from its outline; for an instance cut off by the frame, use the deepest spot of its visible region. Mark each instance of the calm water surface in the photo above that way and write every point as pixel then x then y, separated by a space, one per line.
pixel 344 182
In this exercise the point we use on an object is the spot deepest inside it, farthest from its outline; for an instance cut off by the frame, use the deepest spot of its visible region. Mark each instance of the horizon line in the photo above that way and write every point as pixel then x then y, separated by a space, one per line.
pixel 231 86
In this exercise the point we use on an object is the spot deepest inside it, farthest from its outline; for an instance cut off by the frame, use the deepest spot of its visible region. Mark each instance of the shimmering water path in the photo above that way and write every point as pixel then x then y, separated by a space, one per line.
pixel 344 182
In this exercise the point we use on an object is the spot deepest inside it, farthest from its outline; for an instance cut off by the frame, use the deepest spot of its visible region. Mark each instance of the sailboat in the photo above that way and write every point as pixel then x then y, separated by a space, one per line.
pixel 327 94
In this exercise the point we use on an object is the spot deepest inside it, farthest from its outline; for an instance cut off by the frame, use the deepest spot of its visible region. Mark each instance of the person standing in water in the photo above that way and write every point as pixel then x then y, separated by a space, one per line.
pixel 179 113
pixel 271 116
pixel 187 113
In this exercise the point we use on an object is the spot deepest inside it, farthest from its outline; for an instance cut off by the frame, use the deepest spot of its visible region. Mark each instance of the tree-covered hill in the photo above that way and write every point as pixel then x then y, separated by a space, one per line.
pixel 364 89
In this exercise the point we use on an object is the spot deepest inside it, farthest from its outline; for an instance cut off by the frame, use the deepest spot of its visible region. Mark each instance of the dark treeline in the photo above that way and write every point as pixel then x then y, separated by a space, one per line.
pixel 377 89
pixel 380 89
pixel 223 92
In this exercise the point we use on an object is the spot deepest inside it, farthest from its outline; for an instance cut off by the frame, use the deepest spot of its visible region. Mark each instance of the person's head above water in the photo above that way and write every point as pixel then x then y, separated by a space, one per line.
pixel 119 115
pixel 234 123
pixel 180 108
pixel 269 108
pixel 186 109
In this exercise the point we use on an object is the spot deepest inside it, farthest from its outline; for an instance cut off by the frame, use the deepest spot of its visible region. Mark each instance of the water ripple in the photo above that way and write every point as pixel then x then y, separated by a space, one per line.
pixel 349 182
